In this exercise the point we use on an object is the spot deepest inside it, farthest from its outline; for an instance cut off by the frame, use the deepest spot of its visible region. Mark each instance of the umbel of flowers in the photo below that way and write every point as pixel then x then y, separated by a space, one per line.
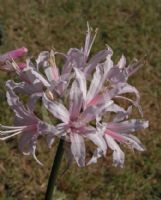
pixel 79 94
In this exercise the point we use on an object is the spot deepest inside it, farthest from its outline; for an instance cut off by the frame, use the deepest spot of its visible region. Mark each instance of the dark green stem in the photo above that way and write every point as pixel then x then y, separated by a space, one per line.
pixel 54 171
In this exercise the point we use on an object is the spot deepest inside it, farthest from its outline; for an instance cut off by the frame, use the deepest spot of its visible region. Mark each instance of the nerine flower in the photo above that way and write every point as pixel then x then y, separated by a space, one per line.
pixel 5 65
pixel 79 94
pixel 26 124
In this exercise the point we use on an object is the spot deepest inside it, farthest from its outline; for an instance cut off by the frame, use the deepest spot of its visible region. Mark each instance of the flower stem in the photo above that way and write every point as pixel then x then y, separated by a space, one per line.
pixel 54 171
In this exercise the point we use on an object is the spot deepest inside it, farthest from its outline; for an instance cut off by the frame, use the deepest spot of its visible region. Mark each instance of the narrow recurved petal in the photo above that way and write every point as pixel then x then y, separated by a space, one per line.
pixel 118 154
pixel 78 149
pixel 57 109
pixel 122 115
pixel 14 54
pixel 42 59
pixel 95 60
pixel 117 75
pixel 75 58
pixel 89 40
pixel 98 140
pixel 133 142
pixel 98 153
pixel 33 100
pixel 21 114
pixel 110 106
pixel 108 64
pixel 128 139
pixel 124 88
pixel 27 145
pixel 80 77
pixel 134 66
pixel 31 76
pixel 26 88
pixel 95 86
pixel 76 101
pixel 128 126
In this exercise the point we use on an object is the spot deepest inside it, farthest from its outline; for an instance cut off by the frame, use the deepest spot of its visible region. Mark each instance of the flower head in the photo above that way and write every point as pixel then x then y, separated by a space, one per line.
pixel 79 95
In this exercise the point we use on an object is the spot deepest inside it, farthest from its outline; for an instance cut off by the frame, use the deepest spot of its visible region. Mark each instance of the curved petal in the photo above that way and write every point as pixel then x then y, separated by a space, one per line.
pixel 76 101
pixel 95 60
pixel 80 77
pixel 95 85
pixel 57 109
pixel 78 149
pixel 118 154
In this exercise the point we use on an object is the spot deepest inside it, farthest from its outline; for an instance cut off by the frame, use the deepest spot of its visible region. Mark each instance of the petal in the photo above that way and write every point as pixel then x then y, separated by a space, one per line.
pixel 75 58
pixel 78 149
pixel 116 75
pixel 134 66
pixel 124 88
pixel 118 154
pixel 133 142
pixel 27 145
pixel 31 76
pixel 112 107
pixel 76 101
pixel 122 62
pixel 98 140
pixel 122 115
pixel 13 54
pixel 89 40
pixel 26 88
pixel 95 85
pixel 22 116
pixel 98 153
pixel 57 109
pixel 32 100
pixel 80 77
pixel 108 64
pixel 42 59
pixel 95 60
pixel 128 126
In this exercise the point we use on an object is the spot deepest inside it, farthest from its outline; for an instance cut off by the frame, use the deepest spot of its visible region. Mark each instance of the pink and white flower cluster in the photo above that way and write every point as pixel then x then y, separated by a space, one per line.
pixel 81 95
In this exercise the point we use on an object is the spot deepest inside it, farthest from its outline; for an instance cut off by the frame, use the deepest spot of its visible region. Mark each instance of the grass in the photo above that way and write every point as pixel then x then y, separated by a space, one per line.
pixel 129 27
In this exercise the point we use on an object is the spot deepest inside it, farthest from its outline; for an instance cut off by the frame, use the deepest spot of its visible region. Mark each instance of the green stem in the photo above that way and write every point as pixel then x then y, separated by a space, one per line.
pixel 54 171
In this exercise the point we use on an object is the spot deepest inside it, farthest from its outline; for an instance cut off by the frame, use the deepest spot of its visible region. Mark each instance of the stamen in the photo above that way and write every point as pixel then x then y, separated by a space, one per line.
pixel 52 58
pixel 12 127
pixel 7 137
pixel 7 132
pixel 49 94
pixel 94 37
pixel 15 66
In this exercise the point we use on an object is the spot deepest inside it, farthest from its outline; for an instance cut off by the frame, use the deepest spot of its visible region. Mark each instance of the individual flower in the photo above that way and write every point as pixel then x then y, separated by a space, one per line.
pixel 5 65
pixel 26 124
pixel 86 106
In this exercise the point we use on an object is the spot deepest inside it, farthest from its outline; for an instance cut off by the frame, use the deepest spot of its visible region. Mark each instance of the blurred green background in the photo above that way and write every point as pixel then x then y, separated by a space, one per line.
pixel 131 27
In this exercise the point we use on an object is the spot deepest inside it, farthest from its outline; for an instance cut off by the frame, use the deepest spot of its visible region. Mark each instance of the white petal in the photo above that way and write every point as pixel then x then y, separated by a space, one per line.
pixel 78 149
pixel 76 100
pixel 98 153
pixel 98 140
pixel 57 109
pixel 133 142
pixel 95 85
pixel 80 77
pixel 118 154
